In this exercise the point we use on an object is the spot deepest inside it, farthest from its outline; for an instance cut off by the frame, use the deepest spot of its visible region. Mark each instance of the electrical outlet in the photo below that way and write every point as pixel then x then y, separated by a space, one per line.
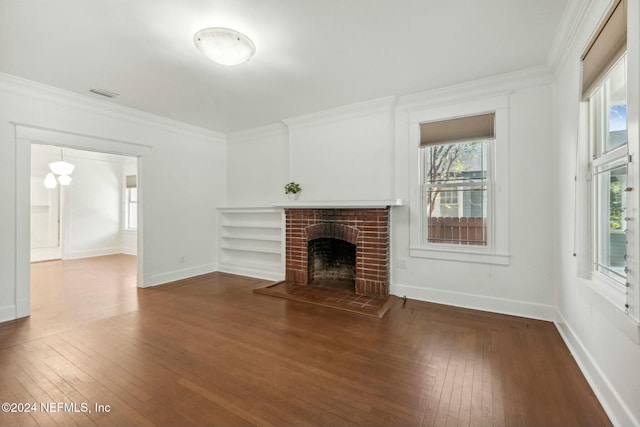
pixel 401 262
pixel 182 259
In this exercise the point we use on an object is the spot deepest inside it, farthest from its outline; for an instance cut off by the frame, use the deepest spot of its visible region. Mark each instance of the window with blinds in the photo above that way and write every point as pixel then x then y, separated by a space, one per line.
pixel 456 186
pixel 131 203
pixel 604 87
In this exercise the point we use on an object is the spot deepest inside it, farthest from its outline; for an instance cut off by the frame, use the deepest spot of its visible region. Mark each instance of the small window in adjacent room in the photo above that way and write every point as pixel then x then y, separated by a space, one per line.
pixel 456 186
pixel 131 203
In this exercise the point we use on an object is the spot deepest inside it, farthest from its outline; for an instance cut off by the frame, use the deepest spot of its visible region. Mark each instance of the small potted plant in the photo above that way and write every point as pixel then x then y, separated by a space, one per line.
pixel 292 190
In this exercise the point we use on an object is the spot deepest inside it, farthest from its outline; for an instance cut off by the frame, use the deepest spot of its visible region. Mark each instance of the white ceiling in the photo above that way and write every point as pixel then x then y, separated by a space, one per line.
pixel 311 55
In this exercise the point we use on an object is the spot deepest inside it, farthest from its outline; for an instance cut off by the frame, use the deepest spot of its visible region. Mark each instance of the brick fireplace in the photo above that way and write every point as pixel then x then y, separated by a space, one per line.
pixel 314 235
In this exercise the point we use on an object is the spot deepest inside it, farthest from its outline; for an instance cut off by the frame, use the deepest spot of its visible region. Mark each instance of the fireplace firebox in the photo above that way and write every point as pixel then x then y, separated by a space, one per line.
pixel 346 245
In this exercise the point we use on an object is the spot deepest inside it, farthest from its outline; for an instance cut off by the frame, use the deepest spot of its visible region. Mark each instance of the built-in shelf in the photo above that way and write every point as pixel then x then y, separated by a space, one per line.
pixel 251 249
pixel 253 237
pixel 251 241
pixel 250 225
pixel 341 204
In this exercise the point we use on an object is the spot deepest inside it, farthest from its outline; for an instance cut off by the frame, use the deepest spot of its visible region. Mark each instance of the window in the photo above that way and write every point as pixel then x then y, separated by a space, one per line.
pixel 608 131
pixel 604 86
pixel 455 185
pixel 458 162
pixel 131 203
pixel 455 192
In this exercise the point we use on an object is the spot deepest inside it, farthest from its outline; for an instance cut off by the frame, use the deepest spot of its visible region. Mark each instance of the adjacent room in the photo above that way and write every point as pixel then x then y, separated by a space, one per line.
pixel 356 212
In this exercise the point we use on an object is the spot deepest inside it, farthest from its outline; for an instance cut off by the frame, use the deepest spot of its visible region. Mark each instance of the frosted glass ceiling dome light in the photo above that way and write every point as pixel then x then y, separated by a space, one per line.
pixel 224 46
pixel 61 168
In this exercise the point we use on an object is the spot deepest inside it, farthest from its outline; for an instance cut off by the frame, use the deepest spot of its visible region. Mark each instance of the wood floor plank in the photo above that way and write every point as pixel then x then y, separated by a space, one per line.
pixel 208 351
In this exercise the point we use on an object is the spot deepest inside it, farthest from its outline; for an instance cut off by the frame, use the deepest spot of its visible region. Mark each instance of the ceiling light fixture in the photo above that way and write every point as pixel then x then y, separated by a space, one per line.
pixel 60 168
pixel 224 46
pixel 64 179
pixel 50 181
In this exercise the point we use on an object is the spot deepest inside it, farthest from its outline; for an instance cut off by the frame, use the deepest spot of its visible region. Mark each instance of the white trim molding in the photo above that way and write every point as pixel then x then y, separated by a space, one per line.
pixel 264 273
pixel 172 276
pixel 49 136
pixel 567 33
pixel 259 133
pixel 39 91
pixel 339 204
pixel 361 109
pixel 476 302
pixel 500 85
pixel 8 312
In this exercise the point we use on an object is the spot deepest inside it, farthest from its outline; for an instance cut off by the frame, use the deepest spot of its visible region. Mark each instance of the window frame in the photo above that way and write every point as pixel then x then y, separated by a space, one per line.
pixel 599 158
pixel 497 249
pixel 127 205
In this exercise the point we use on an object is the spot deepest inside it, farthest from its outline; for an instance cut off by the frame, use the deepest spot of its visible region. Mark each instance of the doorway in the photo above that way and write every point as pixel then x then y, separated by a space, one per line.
pixel 26 135
pixel 92 211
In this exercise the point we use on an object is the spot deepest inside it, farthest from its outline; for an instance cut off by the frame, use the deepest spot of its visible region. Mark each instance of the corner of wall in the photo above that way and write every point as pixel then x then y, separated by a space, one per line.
pixel 606 393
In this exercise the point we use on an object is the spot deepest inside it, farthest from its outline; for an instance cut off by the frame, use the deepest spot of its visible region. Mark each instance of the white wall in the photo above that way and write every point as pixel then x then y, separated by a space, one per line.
pixel 361 152
pixel 344 154
pixel 257 165
pixel 523 286
pixel 92 205
pixel 182 174
pixel 602 338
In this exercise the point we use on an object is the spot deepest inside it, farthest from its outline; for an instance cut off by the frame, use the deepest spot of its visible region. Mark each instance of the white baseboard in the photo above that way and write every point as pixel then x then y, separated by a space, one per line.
pixel 172 276
pixel 476 302
pixel 257 272
pixel 91 253
pixel 23 308
pixel 610 400
pixel 8 312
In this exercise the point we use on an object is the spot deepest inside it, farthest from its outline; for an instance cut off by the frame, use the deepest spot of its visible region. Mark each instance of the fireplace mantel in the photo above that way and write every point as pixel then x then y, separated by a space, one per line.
pixel 342 204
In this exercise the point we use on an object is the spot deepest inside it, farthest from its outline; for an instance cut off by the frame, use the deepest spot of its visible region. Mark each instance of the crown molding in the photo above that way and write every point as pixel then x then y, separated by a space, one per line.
pixel 568 32
pixel 351 111
pixel 34 90
pixel 263 132
pixel 502 84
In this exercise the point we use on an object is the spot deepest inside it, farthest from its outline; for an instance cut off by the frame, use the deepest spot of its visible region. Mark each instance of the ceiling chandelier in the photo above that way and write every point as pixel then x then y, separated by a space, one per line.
pixel 62 169
pixel 224 46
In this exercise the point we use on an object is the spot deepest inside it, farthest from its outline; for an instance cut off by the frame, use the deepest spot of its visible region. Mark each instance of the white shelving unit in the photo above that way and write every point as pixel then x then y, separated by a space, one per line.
pixel 252 241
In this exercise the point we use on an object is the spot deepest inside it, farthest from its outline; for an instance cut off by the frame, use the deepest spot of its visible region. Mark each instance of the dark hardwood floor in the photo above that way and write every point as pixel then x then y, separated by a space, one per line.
pixel 208 351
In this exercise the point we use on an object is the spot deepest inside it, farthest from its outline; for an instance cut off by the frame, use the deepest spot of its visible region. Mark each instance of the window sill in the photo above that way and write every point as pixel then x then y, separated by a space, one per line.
pixel 611 304
pixel 129 230
pixel 461 255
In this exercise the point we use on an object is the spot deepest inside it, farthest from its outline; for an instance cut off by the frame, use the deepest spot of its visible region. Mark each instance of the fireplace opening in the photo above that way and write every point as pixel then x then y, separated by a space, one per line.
pixel 332 263
pixel 361 241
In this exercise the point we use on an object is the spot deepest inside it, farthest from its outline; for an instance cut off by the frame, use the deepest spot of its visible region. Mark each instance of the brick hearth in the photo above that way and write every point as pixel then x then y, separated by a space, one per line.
pixel 367 228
